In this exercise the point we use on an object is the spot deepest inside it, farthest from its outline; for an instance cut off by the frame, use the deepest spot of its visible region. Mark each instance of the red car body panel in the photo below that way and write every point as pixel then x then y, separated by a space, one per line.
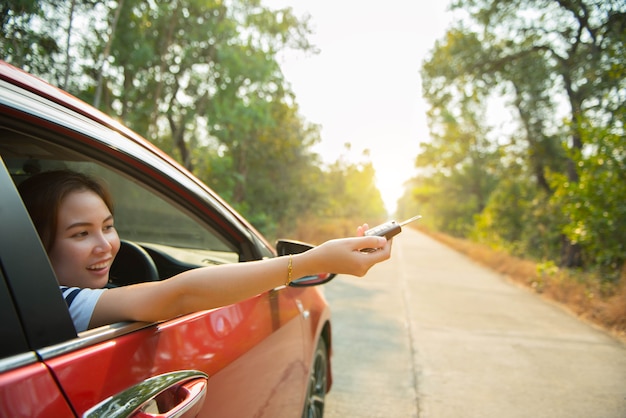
pixel 238 336
pixel 31 392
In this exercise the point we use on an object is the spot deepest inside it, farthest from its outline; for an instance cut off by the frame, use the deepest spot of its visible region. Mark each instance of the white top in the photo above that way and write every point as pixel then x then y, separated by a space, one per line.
pixel 81 303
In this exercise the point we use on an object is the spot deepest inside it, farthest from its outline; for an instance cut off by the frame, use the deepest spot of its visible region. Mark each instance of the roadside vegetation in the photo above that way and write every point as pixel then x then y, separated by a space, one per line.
pixel 527 159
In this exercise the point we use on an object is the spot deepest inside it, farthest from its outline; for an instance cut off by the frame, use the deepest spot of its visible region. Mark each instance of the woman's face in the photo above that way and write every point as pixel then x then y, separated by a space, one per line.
pixel 86 241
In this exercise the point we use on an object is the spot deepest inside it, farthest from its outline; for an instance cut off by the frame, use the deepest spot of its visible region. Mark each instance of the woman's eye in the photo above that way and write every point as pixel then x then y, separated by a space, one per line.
pixel 80 234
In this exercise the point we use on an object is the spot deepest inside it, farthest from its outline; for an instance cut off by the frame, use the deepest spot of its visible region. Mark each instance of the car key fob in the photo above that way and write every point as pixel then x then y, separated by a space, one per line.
pixel 388 230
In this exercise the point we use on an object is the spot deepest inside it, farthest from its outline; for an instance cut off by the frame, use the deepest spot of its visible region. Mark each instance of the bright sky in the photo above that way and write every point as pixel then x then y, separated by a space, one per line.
pixel 364 86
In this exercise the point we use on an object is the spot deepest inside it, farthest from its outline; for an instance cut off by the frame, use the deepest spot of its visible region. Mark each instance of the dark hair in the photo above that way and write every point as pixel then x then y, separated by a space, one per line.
pixel 43 193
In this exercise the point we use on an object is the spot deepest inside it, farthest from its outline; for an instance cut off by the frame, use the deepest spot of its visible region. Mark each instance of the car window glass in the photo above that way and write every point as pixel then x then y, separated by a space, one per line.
pixel 141 215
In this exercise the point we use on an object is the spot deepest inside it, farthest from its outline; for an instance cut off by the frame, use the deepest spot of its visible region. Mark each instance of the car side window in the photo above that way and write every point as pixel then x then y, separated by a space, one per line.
pixel 172 238
pixel 157 223
pixel 146 218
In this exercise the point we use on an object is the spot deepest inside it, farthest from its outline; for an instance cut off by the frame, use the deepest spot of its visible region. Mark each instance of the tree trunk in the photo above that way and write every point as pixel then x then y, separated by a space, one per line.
pixel 105 55
pixel 68 44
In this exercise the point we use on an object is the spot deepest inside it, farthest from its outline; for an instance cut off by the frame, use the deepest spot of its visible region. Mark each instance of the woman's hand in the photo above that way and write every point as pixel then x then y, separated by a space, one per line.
pixel 344 256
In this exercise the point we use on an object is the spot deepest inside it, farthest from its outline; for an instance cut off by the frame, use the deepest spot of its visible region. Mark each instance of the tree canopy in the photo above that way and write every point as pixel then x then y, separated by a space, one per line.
pixel 549 180
pixel 201 80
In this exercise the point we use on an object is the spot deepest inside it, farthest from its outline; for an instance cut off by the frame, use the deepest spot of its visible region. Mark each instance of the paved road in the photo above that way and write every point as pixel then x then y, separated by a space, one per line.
pixel 430 334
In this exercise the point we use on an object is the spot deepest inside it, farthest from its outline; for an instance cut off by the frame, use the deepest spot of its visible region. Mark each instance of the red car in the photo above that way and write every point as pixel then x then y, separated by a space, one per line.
pixel 268 356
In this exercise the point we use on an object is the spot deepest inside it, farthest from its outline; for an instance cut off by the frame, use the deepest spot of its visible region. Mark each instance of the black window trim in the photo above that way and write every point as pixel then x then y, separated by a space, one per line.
pixel 29 275
pixel 11 332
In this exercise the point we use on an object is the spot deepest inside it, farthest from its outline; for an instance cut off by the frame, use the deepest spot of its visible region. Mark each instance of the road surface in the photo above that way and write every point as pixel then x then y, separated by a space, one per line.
pixel 431 334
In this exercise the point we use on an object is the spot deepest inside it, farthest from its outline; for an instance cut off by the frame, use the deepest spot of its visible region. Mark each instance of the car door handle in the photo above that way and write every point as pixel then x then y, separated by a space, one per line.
pixel 177 394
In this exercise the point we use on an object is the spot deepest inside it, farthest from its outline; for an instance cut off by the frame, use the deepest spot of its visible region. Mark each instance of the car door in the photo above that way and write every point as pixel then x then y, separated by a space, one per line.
pixel 251 350
pixel 244 359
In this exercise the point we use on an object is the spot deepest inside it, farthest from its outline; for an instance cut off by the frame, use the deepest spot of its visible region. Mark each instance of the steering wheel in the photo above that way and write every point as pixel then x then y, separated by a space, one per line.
pixel 132 265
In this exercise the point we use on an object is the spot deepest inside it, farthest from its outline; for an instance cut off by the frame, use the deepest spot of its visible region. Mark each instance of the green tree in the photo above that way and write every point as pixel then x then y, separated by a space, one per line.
pixel 595 205
pixel 23 43
pixel 200 79
pixel 351 191
pixel 279 183
pixel 460 165
pixel 554 61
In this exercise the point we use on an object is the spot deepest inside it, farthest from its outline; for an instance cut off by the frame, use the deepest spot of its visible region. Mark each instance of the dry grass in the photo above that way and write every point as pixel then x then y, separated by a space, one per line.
pixel 586 295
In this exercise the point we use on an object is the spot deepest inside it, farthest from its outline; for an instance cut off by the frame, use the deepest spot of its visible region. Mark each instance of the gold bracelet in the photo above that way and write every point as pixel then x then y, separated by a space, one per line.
pixel 289 270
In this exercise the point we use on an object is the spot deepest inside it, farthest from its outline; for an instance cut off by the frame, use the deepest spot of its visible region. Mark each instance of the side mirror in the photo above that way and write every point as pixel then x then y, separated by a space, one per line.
pixel 286 247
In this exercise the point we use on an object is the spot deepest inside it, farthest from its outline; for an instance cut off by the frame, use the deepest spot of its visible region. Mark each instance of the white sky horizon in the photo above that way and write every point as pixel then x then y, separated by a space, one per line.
pixel 364 86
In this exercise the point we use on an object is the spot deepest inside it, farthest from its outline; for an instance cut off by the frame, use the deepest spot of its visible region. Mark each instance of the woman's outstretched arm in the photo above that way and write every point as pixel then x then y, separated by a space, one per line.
pixel 211 287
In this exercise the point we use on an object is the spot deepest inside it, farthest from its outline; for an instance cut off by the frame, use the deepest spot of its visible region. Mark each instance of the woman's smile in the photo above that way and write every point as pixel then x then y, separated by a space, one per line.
pixel 101 266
